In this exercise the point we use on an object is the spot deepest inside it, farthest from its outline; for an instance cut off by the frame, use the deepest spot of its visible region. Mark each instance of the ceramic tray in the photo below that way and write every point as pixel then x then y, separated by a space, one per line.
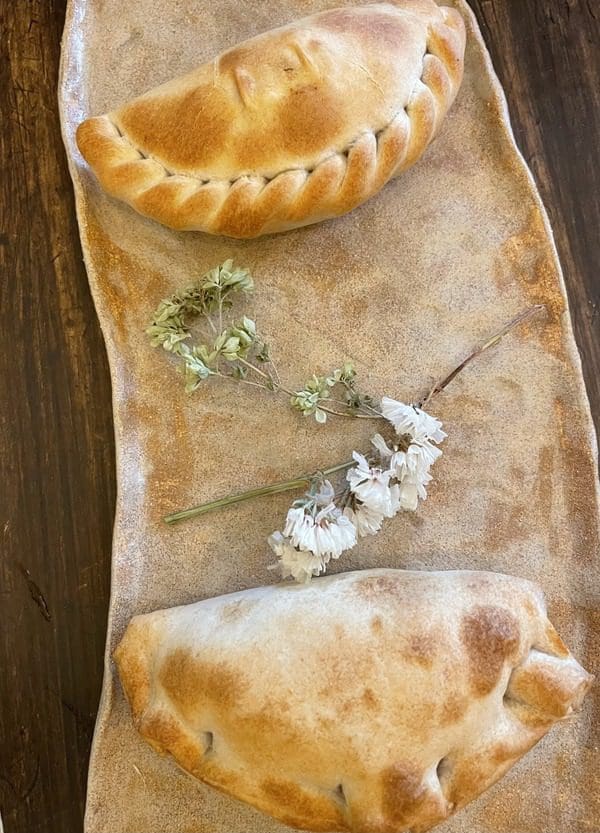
pixel 405 285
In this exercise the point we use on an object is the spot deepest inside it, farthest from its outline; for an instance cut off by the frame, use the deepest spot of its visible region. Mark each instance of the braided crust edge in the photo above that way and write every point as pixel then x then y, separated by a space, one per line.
pixel 254 205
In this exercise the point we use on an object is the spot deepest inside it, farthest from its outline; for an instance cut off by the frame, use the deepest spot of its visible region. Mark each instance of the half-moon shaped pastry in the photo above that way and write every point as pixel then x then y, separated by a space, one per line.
pixel 291 127
pixel 373 702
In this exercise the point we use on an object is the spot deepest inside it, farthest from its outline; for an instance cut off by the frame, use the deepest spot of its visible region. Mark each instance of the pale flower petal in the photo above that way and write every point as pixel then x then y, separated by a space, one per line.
pixel 408 419
pixel 326 534
pixel 394 502
pixel 411 467
pixel 382 447
pixel 370 485
pixel 361 460
pixel 300 566
pixel 325 494
pixel 344 535
pixel 409 497
pixel 294 521
pixel 278 543
pixel 415 461
pixel 366 520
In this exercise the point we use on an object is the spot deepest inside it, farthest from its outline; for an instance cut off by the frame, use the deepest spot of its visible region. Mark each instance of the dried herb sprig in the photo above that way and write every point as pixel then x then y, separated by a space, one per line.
pixel 236 351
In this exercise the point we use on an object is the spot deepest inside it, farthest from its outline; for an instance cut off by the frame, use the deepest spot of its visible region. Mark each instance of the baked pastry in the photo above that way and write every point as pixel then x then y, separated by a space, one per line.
pixel 372 701
pixel 294 126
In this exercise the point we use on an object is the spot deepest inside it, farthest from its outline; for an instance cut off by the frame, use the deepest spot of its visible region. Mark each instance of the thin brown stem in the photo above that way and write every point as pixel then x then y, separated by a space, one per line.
pixel 363 406
pixel 281 389
pixel 243 381
pixel 278 389
pixel 349 415
pixel 276 374
pixel 514 322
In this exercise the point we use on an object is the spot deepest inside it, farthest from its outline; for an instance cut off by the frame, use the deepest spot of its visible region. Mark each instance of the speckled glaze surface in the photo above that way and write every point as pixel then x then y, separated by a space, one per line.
pixel 405 285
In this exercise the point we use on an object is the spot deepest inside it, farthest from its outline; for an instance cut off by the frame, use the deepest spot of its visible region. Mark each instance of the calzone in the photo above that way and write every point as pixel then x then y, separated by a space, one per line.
pixel 374 702
pixel 294 126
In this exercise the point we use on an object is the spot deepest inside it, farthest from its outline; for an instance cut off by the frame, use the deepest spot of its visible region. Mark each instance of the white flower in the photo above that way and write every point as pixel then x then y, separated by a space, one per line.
pixel 410 466
pixel 326 534
pixel 366 520
pixel 408 419
pixel 410 492
pixel 382 447
pixel 415 462
pixel 325 494
pixel 394 503
pixel 301 566
pixel 279 544
pixel 371 486
pixel 294 520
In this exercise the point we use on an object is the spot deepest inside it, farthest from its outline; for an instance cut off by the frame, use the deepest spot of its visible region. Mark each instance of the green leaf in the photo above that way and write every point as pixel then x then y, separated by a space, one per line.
pixel 263 355
pixel 320 416
pixel 230 349
pixel 348 373
pixel 249 326
pixel 220 341
pixel 239 371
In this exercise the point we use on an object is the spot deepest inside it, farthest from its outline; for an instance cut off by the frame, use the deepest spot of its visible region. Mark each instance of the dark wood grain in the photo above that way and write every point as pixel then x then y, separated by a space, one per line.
pixel 56 444
pixel 547 55
pixel 57 487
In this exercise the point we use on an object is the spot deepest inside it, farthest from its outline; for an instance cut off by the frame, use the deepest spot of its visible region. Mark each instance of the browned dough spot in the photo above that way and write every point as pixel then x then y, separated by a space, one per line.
pixel 490 636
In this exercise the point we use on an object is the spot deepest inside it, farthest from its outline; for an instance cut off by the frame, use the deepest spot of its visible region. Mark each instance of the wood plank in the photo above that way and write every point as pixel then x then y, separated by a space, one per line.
pixel 547 55
pixel 56 449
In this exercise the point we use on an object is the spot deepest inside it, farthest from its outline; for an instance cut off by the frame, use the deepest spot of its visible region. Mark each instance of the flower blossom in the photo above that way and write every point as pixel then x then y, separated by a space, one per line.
pixel 366 520
pixel 315 531
pixel 371 487
pixel 301 566
pixel 326 533
pixel 410 463
pixel 408 419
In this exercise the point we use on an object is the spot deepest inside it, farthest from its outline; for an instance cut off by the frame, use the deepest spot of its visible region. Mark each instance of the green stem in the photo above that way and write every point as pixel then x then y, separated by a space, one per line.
pixel 327 410
pixel 278 387
pixel 242 381
pixel 273 489
pixel 281 389
pixel 373 415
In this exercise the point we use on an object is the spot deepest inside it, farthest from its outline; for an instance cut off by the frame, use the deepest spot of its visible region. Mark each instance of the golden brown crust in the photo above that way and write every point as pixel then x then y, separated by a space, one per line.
pixel 491 636
pixel 373 701
pixel 295 126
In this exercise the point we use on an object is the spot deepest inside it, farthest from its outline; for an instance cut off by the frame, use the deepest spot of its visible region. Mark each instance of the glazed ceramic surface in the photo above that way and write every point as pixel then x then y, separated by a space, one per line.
pixel 405 285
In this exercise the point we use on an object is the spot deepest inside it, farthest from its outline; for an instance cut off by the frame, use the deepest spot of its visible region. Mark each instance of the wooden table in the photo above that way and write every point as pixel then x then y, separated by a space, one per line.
pixel 56 442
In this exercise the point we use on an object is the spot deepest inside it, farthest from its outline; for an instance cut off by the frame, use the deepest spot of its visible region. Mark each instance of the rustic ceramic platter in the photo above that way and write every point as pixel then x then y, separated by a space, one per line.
pixel 404 285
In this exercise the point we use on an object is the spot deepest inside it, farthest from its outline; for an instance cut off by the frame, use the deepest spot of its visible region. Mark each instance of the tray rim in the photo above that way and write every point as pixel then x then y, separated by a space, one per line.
pixel 75 162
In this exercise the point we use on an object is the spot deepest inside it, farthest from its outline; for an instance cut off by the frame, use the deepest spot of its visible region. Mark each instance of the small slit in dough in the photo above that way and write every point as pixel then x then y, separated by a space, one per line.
pixel 209 740
pixel 443 771
pixel 340 795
